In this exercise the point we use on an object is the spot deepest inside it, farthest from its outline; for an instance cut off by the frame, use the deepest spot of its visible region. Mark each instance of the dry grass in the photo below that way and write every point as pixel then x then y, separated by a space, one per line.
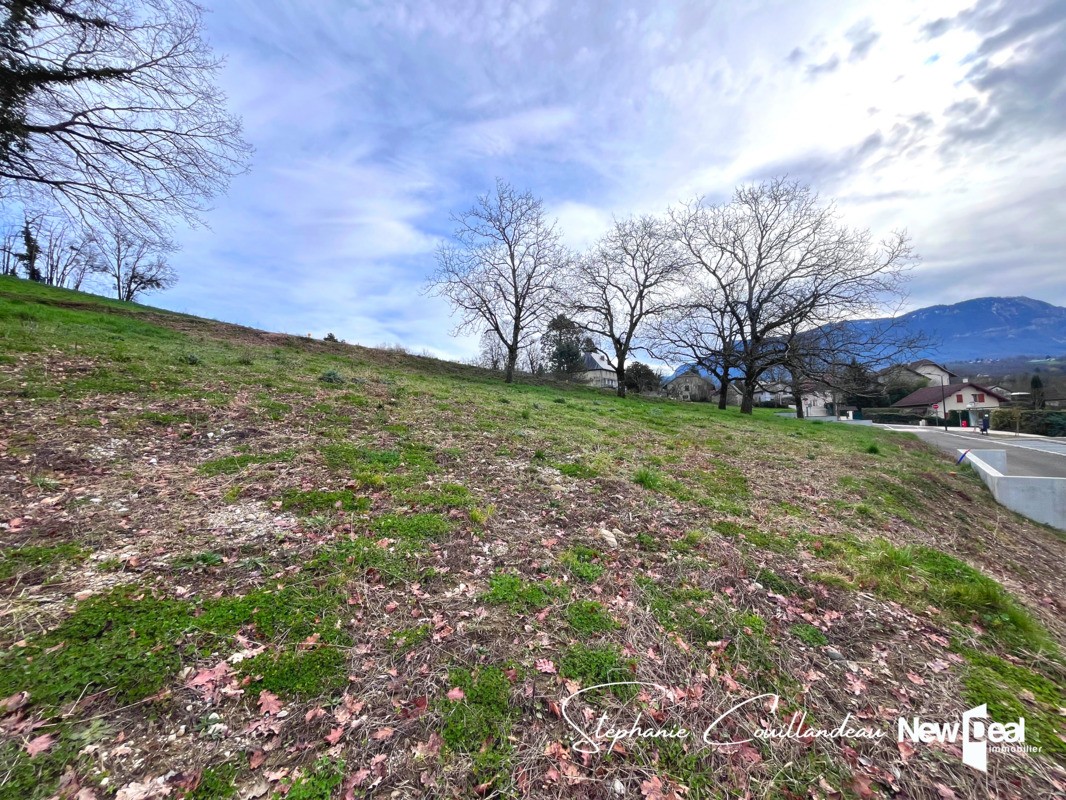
pixel 201 485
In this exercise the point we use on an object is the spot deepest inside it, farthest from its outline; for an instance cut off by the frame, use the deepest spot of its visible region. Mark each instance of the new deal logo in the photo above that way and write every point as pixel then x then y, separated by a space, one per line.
pixel 976 732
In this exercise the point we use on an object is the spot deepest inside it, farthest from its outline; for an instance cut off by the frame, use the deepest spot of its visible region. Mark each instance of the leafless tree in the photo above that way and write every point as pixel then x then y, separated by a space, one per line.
pixel 68 255
pixel 632 275
pixel 108 109
pixel 9 248
pixel 135 264
pixel 779 260
pixel 831 356
pixel 491 354
pixel 500 272
pixel 699 333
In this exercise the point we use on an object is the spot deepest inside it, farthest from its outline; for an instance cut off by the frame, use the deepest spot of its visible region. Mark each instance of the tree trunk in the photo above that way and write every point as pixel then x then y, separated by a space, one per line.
pixel 747 400
pixel 723 398
pixel 797 398
pixel 508 371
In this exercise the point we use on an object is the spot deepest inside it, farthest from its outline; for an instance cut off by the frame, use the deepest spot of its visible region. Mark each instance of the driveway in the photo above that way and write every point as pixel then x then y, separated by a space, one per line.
pixel 1033 457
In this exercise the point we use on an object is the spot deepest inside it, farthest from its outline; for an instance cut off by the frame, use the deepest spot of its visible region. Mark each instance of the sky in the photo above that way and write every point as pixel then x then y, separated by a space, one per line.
pixel 374 122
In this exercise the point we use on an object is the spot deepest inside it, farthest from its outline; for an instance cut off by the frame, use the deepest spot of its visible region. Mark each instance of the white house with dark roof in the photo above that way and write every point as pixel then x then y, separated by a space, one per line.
pixel 597 372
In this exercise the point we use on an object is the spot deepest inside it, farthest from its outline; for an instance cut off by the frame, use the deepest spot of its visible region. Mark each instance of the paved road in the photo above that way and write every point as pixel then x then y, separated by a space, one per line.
pixel 1032 457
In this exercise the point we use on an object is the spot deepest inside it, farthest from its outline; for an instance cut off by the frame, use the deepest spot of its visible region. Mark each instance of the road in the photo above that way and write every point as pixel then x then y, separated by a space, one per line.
pixel 1029 457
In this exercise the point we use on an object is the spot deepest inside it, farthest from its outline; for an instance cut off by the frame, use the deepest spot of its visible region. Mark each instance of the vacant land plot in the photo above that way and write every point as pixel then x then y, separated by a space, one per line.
pixel 240 564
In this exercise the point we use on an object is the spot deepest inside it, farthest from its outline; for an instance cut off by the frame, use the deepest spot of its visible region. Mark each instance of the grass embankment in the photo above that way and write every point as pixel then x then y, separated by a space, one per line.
pixel 246 563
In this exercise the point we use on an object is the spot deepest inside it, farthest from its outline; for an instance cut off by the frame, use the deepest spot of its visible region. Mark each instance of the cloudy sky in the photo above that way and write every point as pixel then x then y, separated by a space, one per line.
pixel 373 123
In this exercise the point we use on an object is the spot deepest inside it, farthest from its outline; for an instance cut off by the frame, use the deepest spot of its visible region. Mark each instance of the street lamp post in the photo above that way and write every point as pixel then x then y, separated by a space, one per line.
pixel 944 401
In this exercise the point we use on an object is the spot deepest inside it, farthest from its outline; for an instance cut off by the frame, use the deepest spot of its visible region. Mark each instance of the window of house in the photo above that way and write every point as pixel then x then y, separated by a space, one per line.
pixel 980 398
pixel 958 398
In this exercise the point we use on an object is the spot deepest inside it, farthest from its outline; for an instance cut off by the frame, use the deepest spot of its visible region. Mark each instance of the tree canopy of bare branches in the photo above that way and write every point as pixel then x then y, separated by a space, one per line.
pixel 630 276
pixel 135 264
pixel 777 262
pixel 500 272
pixel 108 109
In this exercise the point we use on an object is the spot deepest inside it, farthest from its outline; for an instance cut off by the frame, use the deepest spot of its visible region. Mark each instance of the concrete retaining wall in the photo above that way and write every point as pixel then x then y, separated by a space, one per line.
pixel 1039 499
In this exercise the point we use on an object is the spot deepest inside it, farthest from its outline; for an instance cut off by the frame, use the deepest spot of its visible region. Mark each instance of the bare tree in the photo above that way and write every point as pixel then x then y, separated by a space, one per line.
pixel 780 261
pixel 500 273
pixel 491 354
pixel 631 276
pixel 9 249
pixel 832 355
pixel 135 264
pixel 69 255
pixel 108 108
pixel 698 332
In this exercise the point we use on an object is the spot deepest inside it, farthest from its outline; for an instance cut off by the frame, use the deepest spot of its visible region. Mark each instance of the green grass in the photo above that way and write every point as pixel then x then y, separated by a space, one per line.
pixel 587 617
pixel 809 635
pixel 229 465
pixel 596 665
pixel 921 576
pixel 580 561
pixel 478 725
pixel 520 595
pixel 316 501
pixel 300 674
pixel 39 559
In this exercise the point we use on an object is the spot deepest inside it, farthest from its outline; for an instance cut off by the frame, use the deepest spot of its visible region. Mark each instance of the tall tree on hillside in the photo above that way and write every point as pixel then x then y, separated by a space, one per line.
pixel 778 260
pixel 562 347
pixel 31 253
pixel 135 264
pixel 641 378
pixel 1036 390
pixel 108 108
pixel 631 276
pixel 500 274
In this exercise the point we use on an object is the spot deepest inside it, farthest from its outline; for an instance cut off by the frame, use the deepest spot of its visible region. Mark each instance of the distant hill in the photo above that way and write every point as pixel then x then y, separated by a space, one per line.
pixel 989 328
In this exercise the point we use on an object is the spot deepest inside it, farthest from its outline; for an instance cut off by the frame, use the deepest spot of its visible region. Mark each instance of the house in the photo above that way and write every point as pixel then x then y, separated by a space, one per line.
pixel 965 398
pixel 933 372
pixel 597 372
pixel 690 385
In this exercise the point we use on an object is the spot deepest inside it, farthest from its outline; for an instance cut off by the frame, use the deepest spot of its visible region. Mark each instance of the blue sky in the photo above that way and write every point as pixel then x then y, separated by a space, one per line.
pixel 372 123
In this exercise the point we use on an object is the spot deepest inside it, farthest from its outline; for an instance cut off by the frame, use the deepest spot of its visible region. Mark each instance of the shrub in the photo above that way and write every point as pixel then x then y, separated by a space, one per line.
pixel 331 376
pixel 1045 422
pixel 190 358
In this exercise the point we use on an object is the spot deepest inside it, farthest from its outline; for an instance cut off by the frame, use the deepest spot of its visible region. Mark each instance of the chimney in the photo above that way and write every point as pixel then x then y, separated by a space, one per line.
pixel 965 380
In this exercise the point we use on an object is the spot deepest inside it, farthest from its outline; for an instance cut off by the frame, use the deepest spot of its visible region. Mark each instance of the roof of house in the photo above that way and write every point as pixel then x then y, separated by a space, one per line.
pixel 902 368
pixel 692 372
pixel 925 362
pixel 936 394
pixel 595 361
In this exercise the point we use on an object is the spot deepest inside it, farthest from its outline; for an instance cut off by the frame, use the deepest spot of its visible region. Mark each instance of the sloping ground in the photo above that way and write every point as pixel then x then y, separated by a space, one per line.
pixel 240 564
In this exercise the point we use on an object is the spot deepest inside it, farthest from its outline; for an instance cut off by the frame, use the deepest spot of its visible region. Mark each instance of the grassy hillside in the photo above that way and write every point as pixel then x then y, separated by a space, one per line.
pixel 242 564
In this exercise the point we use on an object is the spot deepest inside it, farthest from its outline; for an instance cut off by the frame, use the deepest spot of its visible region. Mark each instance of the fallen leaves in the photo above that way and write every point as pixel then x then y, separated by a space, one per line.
pixel 455 694
pixel 39 745
pixel 545 665
pixel 269 702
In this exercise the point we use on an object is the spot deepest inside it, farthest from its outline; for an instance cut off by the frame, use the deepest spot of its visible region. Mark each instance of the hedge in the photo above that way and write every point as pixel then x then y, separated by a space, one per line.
pixel 1045 422
pixel 891 416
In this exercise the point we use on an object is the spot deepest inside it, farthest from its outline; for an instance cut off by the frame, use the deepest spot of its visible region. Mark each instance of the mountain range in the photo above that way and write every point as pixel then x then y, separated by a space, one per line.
pixel 987 328
pixel 982 329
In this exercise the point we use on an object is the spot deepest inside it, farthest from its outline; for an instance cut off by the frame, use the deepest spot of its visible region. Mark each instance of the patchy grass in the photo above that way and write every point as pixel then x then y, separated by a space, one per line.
pixel 520 595
pixel 37 559
pixel 478 725
pixel 317 501
pixel 300 534
pixel 229 465
pixel 587 617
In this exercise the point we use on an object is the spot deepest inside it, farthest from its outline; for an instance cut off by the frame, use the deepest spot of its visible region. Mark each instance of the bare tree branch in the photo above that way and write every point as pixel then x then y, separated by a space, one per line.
pixel 500 274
